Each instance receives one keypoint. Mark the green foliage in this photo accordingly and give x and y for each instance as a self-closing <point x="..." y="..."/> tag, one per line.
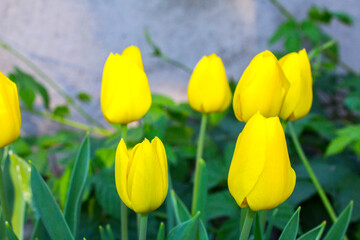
<point x="291" y="229"/>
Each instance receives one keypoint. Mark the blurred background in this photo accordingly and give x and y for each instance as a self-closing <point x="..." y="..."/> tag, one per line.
<point x="70" y="40"/>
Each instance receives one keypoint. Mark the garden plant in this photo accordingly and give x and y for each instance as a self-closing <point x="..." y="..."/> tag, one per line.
<point x="273" y="154"/>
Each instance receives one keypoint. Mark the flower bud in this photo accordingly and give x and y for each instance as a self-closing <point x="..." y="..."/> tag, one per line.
<point x="141" y="175"/>
<point x="125" y="91"/>
<point x="10" y="117"/>
<point x="260" y="173"/>
<point x="298" y="100"/>
<point x="208" y="89"/>
<point x="262" y="87"/>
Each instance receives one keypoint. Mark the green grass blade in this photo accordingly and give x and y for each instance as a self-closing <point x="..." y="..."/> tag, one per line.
<point x="314" y="234"/>
<point x="77" y="184"/>
<point x="338" y="229"/>
<point x="292" y="227"/>
<point x="103" y="234"/>
<point x="39" y="231"/>
<point x="10" y="232"/>
<point x="161" y="232"/>
<point x="48" y="209"/>
<point x="110" y="232"/>
<point x="20" y="176"/>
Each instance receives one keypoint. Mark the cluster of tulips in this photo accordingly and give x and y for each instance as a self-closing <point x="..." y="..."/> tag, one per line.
<point x="260" y="175"/>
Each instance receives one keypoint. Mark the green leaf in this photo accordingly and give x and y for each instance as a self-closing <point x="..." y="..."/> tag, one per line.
<point x="270" y="224"/>
<point x="338" y="229"/>
<point x="20" y="176"/>
<point x="182" y="214"/>
<point x="106" y="193"/>
<point x="106" y="234"/>
<point x="346" y="136"/>
<point x="344" y="18"/>
<point x="77" y="184"/>
<point x="283" y="30"/>
<point x="314" y="234"/>
<point x="201" y="192"/>
<point x="39" y="231"/>
<point x="62" y="111"/>
<point x="293" y="42"/>
<point x="161" y="232"/>
<point x="84" y="97"/>
<point x="28" y="88"/>
<point x="321" y="15"/>
<point x="221" y="204"/>
<point x="258" y="228"/>
<point x="291" y="228"/>
<point x="312" y="32"/>
<point x="186" y="230"/>
<point x="10" y="232"/>
<point x="48" y="209"/>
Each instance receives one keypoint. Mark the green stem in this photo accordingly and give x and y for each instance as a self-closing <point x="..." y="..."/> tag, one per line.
<point x="49" y="81"/>
<point x="3" y="199"/>
<point x="143" y="226"/>
<point x="124" y="214"/>
<point x="311" y="173"/>
<point x="199" y="152"/>
<point x="245" y="231"/>
<point x="71" y="123"/>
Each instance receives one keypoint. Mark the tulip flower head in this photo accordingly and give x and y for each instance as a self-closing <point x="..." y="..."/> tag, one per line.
<point x="260" y="174"/>
<point x="262" y="87"/>
<point x="208" y="89"/>
<point x="125" y="91"/>
<point x="10" y="117"/>
<point x="298" y="100"/>
<point x="141" y="175"/>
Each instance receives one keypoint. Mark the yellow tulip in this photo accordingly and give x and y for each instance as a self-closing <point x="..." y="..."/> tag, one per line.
<point x="141" y="175"/>
<point x="260" y="173"/>
<point x="208" y="89"/>
<point x="298" y="100"/>
<point x="262" y="87"/>
<point x="10" y="117"/>
<point x="125" y="91"/>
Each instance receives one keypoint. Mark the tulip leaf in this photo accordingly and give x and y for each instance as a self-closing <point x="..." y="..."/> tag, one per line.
<point x="10" y="232"/>
<point x="270" y="224"/>
<point x="182" y="214"/>
<point x="338" y="229"/>
<point x="314" y="234"/>
<point x="48" y="209"/>
<point x="161" y="232"/>
<point x="20" y="176"/>
<point x="77" y="184"/>
<point x="186" y="230"/>
<point x="106" y="234"/>
<point x="39" y="231"/>
<point x="201" y="192"/>
<point x="292" y="227"/>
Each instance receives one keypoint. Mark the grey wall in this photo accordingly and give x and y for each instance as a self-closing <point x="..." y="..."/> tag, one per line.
<point x="70" y="40"/>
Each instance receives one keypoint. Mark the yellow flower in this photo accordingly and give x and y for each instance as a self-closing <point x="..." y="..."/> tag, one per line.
<point x="262" y="87"/>
<point x="260" y="174"/>
<point x="208" y="89"/>
<point x="125" y="91"/>
<point x="141" y="175"/>
<point x="10" y="118"/>
<point x="298" y="100"/>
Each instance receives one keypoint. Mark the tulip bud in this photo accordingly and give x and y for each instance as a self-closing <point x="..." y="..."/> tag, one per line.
<point x="298" y="100"/>
<point x="262" y="87"/>
<point x="10" y="118"/>
<point x="141" y="175"/>
<point x="260" y="173"/>
<point x="208" y="89"/>
<point x="125" y="91"/>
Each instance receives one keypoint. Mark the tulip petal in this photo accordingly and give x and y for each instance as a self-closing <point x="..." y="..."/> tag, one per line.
<point x="159" y="149"/>
<point x="145" y="180"/>
<point x="208" y="89"/>
<point x="125" y="91"/>
<point x="248" y="160"/>
<point x="9" y="111"/>
<point x="277" y="180"/>
<point x="262" y="87"/>
<point x="122" y="163"/>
